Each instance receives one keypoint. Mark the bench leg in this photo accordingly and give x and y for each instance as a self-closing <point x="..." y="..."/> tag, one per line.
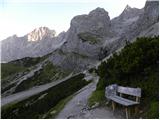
<point x="136" y="110"/>
<point x="113" y="105"/>
<point x="127" y="112"/>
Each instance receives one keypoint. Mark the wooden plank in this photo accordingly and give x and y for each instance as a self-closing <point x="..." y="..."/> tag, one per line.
<point x="111" y="90"/>
<point x="129" y="91"/>
<point x="123" y="101"/>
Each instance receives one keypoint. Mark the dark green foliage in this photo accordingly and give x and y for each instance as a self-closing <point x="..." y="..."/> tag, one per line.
<point x="35" y="108"/>
<point x="153" y="112"/>
<point x="101" y="84"/>
<point x="92" y="70"/>
<point x="135" y="66"/>
<point x="102" y="70"/>
<point x="89" y="37"/>
<point x="57" y="108"/>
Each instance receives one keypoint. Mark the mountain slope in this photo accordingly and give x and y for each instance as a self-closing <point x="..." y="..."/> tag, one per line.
<point x="91" y="35"/>
<point x="94" y="36"/>
<point x="133" y="23"/>
<point x="135" y="66"/>
<point x="39" y="42"/>
<point x="90" y="38"/>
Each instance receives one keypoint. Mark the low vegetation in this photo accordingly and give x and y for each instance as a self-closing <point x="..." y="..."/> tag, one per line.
<point x="135" y="66"/>
<point x="96" y="97"/>
<point x="8" y="69"/>
<point x="38" y="105"/>
<point x="88" y="37"/>
<point x="20" y="65"/>
<point x="55" y="110"/>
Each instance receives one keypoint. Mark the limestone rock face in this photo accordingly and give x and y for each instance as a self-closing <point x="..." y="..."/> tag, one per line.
<point x="149" y="18"/>
<point x="83" y="40"/>
<point x="96" y="22"/>
<point x="122" y="23"/>
<point x="86" y="33"/>
<point x="133" y="23"/>
<point x="90" y="38"/>
<point x="40" y="33"/>
<point x="39" y="42"/>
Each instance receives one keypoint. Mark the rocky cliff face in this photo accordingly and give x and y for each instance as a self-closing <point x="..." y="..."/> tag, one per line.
<point x="40" y="33"/>
<point x="39" y="42"/>
<point x="133" y="23"/>
<point x="86" y="33"/>
<point x="84" y="40"/>
<point x="94" y="36"/>
<point x="122" y="23"/>
<point x="147" y="20"/>
<point x="90" y="38"/>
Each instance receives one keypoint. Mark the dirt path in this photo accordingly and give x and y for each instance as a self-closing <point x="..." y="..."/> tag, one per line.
<point x="77" y="106"/>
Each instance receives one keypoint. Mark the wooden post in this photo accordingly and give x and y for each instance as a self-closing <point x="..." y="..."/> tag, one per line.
<point x="113" y="105"/>
<point x="127" y="112"/>
<point x="136" y="107"/>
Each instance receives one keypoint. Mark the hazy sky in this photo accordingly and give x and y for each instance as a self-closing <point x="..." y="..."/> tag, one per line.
<point x="22" y="16"/>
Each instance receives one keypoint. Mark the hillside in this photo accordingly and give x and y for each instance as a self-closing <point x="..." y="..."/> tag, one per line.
<point x="135" y="66"/>
<point x="44" y="75"/>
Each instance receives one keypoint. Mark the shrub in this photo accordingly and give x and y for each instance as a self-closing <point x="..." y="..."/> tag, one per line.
<point x="135" y="66"/>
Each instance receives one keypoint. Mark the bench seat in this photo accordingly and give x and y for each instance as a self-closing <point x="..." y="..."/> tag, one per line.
<point x="123" y="101"/>
<point x="114" y="93"/>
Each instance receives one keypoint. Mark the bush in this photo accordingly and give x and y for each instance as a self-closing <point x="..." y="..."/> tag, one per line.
<point x="135" y="66"/>
<point x="153" y="112"/>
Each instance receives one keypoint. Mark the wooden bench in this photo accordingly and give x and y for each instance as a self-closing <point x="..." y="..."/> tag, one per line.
<point x="115" y="94"/>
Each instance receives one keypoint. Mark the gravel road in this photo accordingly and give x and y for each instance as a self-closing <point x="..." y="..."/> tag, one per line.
<point x="76" y="108"/>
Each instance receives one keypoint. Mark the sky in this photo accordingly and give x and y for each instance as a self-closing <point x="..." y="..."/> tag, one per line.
<point x="22" y="16"/>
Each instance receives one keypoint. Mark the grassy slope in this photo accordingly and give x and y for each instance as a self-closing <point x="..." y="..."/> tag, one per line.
<point x="13" y="67"/>
<point x="47" y="74"/>
<point x="135" y="66"/>
<point x="8" y="69"/>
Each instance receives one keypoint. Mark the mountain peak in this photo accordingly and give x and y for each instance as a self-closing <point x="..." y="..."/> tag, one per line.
<point x="127" y="7"/>
<point x="98" y="10"/>
<point x="39" y="33"/>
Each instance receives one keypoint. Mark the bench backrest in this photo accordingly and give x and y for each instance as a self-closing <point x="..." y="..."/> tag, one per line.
<point x="129" y="91"/>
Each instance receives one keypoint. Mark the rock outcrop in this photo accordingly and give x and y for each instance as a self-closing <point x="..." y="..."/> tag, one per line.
<point x="133" y="23"/>
<point x="40" y="33"/>
<point x="90" y="38"/>
<point x="86" y="33"/>
<point x="84" y="40"/>
<point x="147" y="20"/>
<point x="39" y="42"/>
